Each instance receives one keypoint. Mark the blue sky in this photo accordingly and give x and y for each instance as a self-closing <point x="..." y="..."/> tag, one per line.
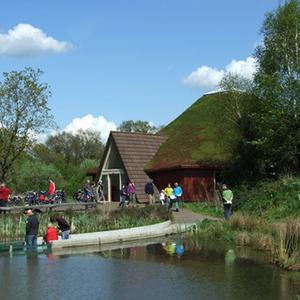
<point x="129" y="59"/>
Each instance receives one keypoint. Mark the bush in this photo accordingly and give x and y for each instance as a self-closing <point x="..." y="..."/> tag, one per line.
<point x="34" y="175"/>
<point x="272" y="199"/>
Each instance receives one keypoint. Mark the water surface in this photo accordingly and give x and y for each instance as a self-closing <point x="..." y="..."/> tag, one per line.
<point x="155" y="272"/>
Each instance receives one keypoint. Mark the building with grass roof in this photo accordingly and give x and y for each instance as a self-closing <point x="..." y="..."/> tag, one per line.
<point x="190" y="150"/>
<point x="198" y="145"/>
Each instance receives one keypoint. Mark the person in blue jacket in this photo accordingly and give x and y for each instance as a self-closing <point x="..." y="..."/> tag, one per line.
<point x="178" y="194"/>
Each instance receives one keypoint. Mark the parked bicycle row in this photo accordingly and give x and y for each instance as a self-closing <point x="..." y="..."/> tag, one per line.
<point x="91" y="192"/>
<point x="37" y="198"/>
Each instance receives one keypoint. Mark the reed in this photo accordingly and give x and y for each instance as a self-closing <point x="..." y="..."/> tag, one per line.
<point x="245" y="222"/>
<point x="12" y="227"/>
<point x="287" y="251"/>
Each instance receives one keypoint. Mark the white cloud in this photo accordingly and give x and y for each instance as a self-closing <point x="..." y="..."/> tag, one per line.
<point x="90" y="122"/>
<point x="204" y="76"/>
<point x="27" y="40"/>
<point x="245" y="68"/>
<point x="208" y="77"/>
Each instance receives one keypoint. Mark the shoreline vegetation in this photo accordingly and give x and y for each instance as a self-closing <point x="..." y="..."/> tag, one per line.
<point x="265" y="218"/>
<point x="12" y="227"/>
<point x="280" y="239"/>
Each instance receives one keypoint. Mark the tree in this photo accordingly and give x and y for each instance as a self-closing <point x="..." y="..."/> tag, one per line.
<point x="237" y="96"/>
<point x="72" y="155"/>
<point x="137" y="126"/>
<point x="238" y="104"/>
<point x="24" y="112"/>
<point x="277" y="85"/>
<point x="33" y="175"/>
<point x="67" y="149"/>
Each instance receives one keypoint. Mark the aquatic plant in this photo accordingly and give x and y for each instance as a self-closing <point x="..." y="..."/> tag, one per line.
<point x="12" y="227"/>
<point x="241" y="221"/>
<point x="287" y="251"/>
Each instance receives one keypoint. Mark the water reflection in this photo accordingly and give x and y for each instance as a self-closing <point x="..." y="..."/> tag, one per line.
<point x="172" y="248"/>
<point x="169" y="269"/>
<point x="230" y="257"/>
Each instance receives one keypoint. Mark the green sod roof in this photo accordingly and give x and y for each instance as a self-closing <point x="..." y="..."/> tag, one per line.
<point x="200" y="136"/>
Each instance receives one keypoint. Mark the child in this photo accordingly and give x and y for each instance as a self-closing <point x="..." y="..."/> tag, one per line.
<point x="162" y="197"/>
<point x="51" y="234"/>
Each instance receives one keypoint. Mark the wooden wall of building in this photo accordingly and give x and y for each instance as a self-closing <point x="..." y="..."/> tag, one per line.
<point x="197" y="184"/>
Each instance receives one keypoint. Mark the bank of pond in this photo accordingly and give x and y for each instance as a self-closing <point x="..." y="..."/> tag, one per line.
<point x="12" y="226"/>
<point x="281" y="239"/>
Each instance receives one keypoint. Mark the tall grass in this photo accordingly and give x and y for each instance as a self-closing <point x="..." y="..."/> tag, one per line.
<point x="287" y="251"/>
<point x="282" y="239"/>
<point x="12" y="227"/>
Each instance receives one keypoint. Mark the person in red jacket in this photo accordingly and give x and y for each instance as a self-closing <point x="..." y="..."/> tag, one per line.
<point x="51" y="234"/>
<point x="51" y="187"/>
<point x="4" y="195"/>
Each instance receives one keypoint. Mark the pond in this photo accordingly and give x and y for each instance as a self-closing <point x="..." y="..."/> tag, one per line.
<point x="170" y="269"/>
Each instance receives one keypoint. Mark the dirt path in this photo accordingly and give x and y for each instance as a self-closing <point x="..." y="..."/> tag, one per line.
<point x="186" y="216"/>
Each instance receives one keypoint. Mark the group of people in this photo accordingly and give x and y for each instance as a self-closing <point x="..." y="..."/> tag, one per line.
<point x="93" y="192"/>
<point x="128" y="194"/>
<point x="170" y="194"/>
<point x="32" y="229"/>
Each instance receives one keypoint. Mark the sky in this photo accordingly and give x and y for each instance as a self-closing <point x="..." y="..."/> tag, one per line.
<point x="114" y="60"/>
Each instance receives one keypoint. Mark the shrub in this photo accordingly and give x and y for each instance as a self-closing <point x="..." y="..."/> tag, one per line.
<point x="270" y="198"/>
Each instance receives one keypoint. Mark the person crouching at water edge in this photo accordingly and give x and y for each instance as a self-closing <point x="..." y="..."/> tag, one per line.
<point x="227" y="196"/>
<point x="63" y="226"/>
<point x="51" y="234"/>
<point x="32" y="229"/>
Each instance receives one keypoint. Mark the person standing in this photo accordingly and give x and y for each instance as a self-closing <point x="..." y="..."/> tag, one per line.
<point x="51" y="188"/>
<point x="170" y="195"/>
<point x="227" y="196"/>
<point x="4" y="195"/>
<point x="63" y="226"/>
<point x="123" y="196"/>
<point x="149" y="191"/>
<point x="100" y="190"/>
<point x="178" y="194"/>
<point x="32" y="230"/>
<point x="131" y="191"/>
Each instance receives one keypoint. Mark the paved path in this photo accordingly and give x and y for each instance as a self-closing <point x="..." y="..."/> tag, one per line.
<point x="186" y="216"/>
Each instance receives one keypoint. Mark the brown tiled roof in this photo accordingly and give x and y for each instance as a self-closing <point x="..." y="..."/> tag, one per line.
<point x="136" y="150"/>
